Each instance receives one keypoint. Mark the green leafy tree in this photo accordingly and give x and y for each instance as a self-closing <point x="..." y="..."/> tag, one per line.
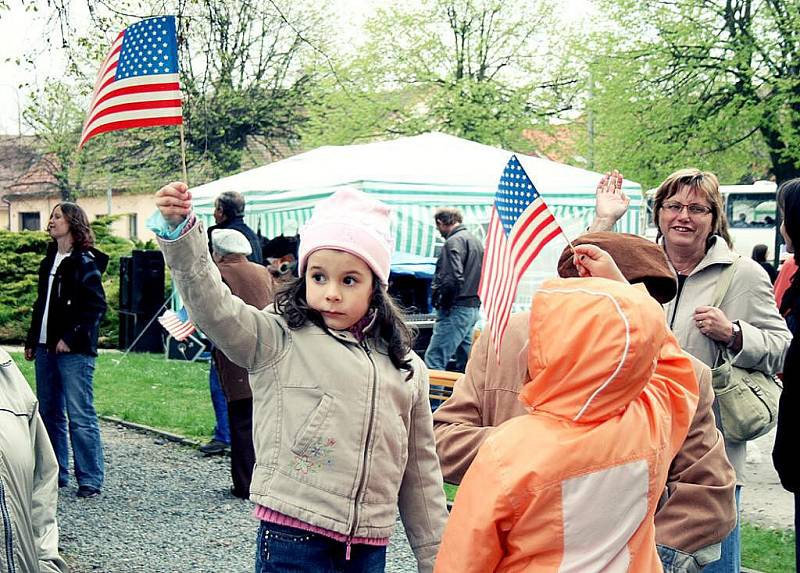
<point x="244" y="74"/>
<point x="480" y="69"/>
<point x="708" y="83"/>
<point x="131" y="160"/>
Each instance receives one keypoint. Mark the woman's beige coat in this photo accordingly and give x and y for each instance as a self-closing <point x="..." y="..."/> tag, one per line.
<point x="750" y="301"/>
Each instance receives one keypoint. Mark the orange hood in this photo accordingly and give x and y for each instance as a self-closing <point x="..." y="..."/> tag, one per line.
<point x="592" y="347"/>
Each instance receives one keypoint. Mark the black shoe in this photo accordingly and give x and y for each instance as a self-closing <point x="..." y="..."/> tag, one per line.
<point x="213" y="448"/>
<point x="239" y="494"/>
<point x="87" y="491"/>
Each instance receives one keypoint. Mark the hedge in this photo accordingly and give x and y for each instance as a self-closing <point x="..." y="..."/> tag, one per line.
<point x="20" y="255"/>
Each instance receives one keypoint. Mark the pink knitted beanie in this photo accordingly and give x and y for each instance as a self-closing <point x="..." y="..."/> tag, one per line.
<point x="350" y="221"/>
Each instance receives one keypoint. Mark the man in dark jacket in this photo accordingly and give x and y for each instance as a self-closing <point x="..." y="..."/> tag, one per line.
<point x="454" y="291"/>
<point x="251" y="283"/>
<point x="228" y="214"/>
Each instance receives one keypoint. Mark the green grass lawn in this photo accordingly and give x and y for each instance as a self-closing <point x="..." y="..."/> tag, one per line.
<point x="767" y="550"/>
<point x="173" y="395"/>
<point x="147" y="389"/>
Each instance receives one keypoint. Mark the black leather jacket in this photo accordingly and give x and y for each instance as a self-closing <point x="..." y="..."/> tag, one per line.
<point x="458" y="271"/>
<point x="77" y="301"/>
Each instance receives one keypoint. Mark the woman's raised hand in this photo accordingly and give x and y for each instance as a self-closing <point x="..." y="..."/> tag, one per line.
<point x="174" y="200"/>
<point x="611" y="202"/>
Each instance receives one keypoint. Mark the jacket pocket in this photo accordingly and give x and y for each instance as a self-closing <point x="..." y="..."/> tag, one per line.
<point x="311" y="430"/>
<point x="388" y="463"/>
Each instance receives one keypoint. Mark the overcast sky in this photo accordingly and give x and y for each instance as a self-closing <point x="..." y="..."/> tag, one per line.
<point x="22" y="31"/>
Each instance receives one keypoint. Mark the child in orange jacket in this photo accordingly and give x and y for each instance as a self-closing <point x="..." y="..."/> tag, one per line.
<point x="574" y="485"/>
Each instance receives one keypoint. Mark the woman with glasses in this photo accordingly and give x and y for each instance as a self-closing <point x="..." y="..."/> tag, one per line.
<point x="693" y="231"/>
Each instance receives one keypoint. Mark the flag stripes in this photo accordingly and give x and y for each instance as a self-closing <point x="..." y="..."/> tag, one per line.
<point x="177" y="329"/>
<point x="521" y="225"/>
<point x="138" y="82"/>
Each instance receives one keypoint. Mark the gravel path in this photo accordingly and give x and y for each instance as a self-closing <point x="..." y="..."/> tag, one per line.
<point x="165" y="508"/>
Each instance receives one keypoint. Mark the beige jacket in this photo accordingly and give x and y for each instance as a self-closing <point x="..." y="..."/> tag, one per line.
<point x="750" y="301"/>
<point x="28" y="480"/>
<point x="697" y="509"/>
<point x="341" y="437"/>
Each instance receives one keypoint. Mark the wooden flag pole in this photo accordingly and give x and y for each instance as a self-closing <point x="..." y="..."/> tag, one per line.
<point x="183" y="155"/>
<point x="571" y="246"/>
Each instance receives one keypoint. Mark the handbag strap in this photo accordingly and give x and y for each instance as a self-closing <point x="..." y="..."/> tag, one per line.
<point x="724" y="283"/>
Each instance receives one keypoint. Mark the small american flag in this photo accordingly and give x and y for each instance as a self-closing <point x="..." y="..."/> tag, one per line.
<point x="520" y="226"/>
<point x="177" y="327"/>
<point x="138" y="82"/>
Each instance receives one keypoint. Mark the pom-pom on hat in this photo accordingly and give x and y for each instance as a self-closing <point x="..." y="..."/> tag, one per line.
<point x="350" y="221"/>
<point x="230" y="242"/>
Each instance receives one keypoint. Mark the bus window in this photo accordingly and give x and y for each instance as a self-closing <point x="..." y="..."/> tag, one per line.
<point x="751" y="210"/>
<point x="649" y="221"/>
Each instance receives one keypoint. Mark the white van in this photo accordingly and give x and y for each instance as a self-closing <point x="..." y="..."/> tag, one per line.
<point x="751" y="216"/>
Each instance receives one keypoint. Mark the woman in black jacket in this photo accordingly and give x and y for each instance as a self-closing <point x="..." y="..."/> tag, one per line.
<point x="63" y="341"/>
<point x="785" y="452"/>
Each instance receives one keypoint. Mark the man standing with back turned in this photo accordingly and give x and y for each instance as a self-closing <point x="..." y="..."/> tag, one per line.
<point x="228" y="214"/>
<point x="454" y="291"/>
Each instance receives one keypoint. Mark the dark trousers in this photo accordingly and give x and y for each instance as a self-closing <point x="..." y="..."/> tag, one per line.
<point x="243" y="456"/>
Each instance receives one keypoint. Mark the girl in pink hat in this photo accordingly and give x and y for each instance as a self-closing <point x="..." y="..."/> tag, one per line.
<point x="342" y="427"/>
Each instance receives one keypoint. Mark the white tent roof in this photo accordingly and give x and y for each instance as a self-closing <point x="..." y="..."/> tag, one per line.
<point x="435" y="160"/>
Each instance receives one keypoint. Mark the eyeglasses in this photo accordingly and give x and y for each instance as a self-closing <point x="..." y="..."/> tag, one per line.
<point x="694" y="209"/>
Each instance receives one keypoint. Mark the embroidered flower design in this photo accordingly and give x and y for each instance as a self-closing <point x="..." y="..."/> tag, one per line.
<point x="318" y="454"/>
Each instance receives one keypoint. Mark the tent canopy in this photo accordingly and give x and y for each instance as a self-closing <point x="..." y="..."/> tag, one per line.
<point x="415" y="175"/>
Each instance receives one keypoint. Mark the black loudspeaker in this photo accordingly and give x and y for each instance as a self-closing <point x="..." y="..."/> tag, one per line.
<point x="190" y="349"/>
<point x="141" y="295"/>
<point x="125" y="275"/>
<point x="141" y="282"/>
<point x="131" y="325"/>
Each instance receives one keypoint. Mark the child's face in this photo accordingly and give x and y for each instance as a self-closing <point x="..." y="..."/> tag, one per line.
<point x="338" y="286"/>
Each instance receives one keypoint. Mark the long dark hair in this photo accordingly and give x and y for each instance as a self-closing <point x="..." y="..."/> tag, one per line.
<point x="79" y="228"/>
<point x="789" y="205"/>
<point x="291" y="303"/>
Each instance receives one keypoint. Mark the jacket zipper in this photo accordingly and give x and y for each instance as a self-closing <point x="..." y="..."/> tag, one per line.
<point x="7" y="527"/>
<point x="359" y="490"/>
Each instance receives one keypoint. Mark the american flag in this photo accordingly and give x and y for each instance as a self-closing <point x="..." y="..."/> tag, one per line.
<point x="138" y="82"/>
<point x="177" y="327"/>
<point x="520" y="226"/>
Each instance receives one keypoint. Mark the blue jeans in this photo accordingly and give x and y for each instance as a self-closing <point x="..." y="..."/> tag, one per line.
<point x="222" y="429"/>
<point x="64" y="389"/>
<point x="283" y="549"/>
<point x="452" y="336"/>
<point x="731" y="559"/>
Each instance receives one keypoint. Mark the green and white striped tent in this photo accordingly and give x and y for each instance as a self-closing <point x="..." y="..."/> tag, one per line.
<point x="415" y="175"/>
